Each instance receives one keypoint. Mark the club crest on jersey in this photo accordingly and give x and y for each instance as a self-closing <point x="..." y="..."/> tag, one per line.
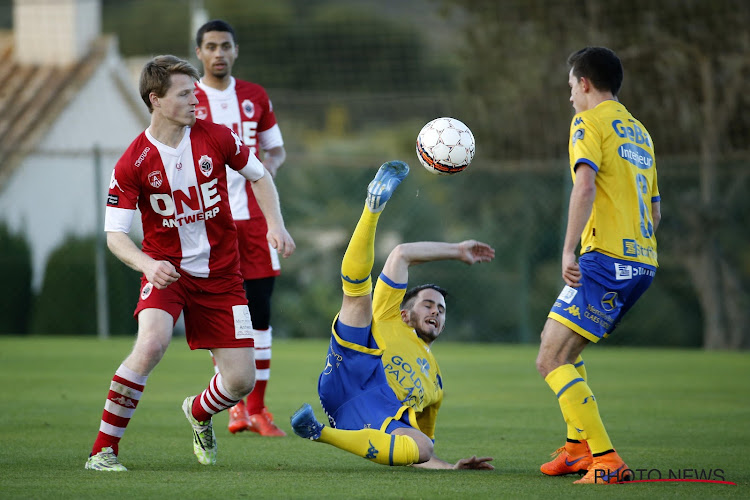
<point x="206" y="165"/>
<point x="201" y="112"/>
<point x="248" y="108"/>
<point x="155" y="179"/>
<point x="146" y="291"/>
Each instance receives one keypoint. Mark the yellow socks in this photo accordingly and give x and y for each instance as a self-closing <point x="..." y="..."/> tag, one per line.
<point x="579" y="407"/>
<point x="360" y="256"/>
<point x="581" y="368"/>
<point x="374" y="445"/>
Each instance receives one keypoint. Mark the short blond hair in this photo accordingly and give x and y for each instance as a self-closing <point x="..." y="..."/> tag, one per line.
<point x="156" y="76"/>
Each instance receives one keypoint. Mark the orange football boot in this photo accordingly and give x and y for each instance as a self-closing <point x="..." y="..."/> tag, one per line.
<point x="607" y="469"/>
<point x="262" y="423"/>
<point x="238" y="418"/>
<point x="573" y="458"/>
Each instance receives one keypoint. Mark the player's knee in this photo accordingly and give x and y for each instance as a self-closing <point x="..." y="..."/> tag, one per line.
<point x="239" y="385"/>
<point x="149" y="350"/>
<point x="426" y="448"/>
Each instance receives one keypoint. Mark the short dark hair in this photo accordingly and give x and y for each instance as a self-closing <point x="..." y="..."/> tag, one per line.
<point x="156" y="76"/>
<point x="411" y="295"/>
<point x="600" y="65"/>
<point x="214" y="25"/>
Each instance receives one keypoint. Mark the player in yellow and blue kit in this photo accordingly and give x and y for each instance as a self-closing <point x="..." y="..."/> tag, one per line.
<point x="381" y="386"/>
<point x="614" y="212"/>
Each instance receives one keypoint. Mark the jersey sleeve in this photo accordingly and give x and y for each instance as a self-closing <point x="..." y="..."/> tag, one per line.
<point x="271" y="138"/>
<point x="238" y="155"/>
<point x="386" y="300"/>
<point x="122" y="198"/>
<point x="268" y="118"/>
<point x="585" y="142"/>
<point x="655" y="195"/>
<point x="427" y="419"/>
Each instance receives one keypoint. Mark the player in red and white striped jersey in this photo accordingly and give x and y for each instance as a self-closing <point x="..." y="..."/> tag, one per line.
<point x="245" y="108"/>
<point x="175" y="174"/>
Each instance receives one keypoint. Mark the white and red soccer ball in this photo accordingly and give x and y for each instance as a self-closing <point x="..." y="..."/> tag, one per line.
<point x="445" y="146"/>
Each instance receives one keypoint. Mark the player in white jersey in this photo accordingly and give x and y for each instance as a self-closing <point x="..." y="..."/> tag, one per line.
<point x="174" y="174"/>
<point x="245" y="108"/>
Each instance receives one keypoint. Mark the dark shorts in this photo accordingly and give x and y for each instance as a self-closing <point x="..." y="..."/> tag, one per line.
<point x="609" y="288"/>
<point x="353" y="389"/>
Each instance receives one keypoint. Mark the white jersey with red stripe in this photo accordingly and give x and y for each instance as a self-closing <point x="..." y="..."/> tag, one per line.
<point x="245" y="108"/>
<point x="182" y="195"/>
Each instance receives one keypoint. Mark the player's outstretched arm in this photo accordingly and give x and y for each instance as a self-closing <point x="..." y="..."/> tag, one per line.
<point x="410" y="254"/>
<point x="268" y="199"/>
<point x="473" y="462"/>
<point x="159" y="273"/>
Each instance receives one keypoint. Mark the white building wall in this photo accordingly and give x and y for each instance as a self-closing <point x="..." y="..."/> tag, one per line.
<point x="53" y="192"/>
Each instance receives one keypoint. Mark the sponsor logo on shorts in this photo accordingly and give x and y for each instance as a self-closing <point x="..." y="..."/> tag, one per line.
<point x="243" y="324"/>
<point x="146" y="291"/>
<point x="567" y="294"/>
<point x="609" y="301"/>
<point x="623" y="271"/>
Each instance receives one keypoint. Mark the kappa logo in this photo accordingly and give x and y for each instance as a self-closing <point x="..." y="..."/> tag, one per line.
<point x="578" y="121"/>
<point x="372" y="452"/>
<point x="155" y="179"/>
<point x="574" y="311"/>
<point x="206" y="165"/>
<point x="248" y="108"/>
<point x="123" y="401"/>
<point x="201" y="112"/>
<point x="146" y="291"/>
<point x="114" y="184"/>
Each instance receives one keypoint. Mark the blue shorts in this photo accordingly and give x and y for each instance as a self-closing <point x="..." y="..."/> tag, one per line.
<point x="609" y="288"/>
<point x="353" y="389"/>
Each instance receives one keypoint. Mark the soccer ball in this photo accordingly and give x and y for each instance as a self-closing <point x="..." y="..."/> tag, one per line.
<point x="445" y="146"/>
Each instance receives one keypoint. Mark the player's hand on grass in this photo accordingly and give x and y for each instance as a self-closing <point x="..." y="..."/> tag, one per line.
<point x="473" y="251"/>
<point x="161" y="274"/>
<point x="474" y="462"/>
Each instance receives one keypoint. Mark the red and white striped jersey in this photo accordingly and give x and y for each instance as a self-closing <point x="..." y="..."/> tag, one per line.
<point x="245" y="108"/>
<point x="182" y="195"/>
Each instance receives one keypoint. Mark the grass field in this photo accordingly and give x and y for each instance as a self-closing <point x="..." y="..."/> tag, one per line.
<point x="664" y="409"/>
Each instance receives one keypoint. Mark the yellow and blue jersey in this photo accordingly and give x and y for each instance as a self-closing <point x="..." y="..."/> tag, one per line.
<point x="383" y="374"/>
<point x="619" y="148"/>
<point x="410" y="367"/>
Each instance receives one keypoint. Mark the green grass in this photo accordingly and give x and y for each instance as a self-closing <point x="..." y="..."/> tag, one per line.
<point x="664" y="409"/>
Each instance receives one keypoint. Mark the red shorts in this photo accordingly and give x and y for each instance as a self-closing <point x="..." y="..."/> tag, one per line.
<point x="216" y="313"/>
<point x="257" y="258"/>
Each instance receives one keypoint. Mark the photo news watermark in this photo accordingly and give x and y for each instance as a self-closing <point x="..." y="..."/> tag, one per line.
<point x="626" y="476"/>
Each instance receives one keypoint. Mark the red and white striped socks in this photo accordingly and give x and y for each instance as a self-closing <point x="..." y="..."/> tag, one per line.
<point x="212" y="400"/>
<point x="125" y="391"/>
<point x="256" y="399"/>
